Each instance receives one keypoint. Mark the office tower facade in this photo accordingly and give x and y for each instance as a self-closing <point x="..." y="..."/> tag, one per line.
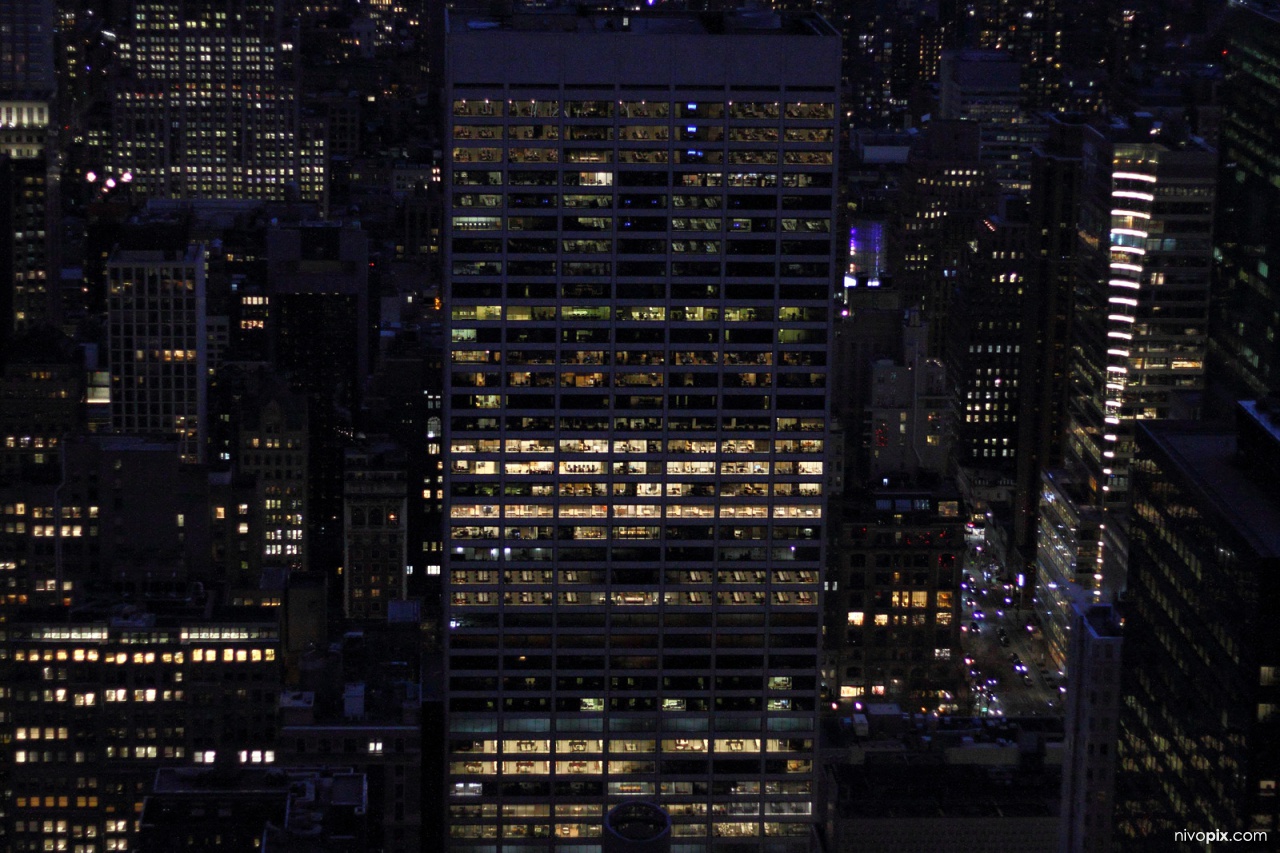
<point x="908" y="410"/>
<point x="893" y="615"/>
<point x="375" y="526"/>
<point x="125" y="515"/>
<point x="1139" y="335"/>
<point x="26" y="300"/>
<point x="26" y="36"/>
<point x="234" y="534"/>
<point x="273" y="451"/>
<point x="985" y="86"/>
<point x="1032" y="33"/>
<point x="985" y="350"/>
<point x="40" y="397"/>
<point x="639" y="268"/>
<point x="404" y="400"/>
<point x="1142" y="318"/>
<point x="27" y="179"/>
<point x="947" y="192"/>
<point x="156" y="345"/>
<point x="95" y="704"/>
<point x="318" y="296"/>
<point x="1201" y="667"/>
<point x="1048" y="311"/>
<point x="208" y="107"/>
<point x="1245" y="355"/>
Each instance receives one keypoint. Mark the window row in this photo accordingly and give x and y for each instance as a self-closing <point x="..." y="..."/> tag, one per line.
<point x="601" y="109"/>
<point x="641" y="467"/>
<point x="695" y="577"/>
<point x="650" y="132"/>
<point x="635" y="445"/>
<point x="637" y="178"/>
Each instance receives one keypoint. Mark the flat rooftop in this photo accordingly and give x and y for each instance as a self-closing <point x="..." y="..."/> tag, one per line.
<point x="571" y="47"/>
<point x="1207" y="455"/>
<point x="568" y="18"/>
<point x="1103" y="621"/>
<point x="187" y="255"/>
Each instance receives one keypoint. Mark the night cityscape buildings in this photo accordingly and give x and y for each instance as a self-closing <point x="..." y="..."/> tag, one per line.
<point x="1138" y="342"/>
<point x="753" y="426"/>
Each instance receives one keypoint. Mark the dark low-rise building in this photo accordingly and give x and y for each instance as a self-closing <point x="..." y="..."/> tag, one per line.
<point x="96" y="702"/>
<point x="912" y="783"/>
<point x="892" y="606"/>
<point x="255" y="810"/>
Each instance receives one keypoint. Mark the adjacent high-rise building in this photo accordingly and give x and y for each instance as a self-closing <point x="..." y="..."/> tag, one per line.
<point x="985" y="349"/>
<point x="1142" y="321"/>
<point x="1031" y="33"/>
<point x="273" y="450"/>
<point x="156" y="345"/>
<point x="40" y="397"/>
<point x="26" y="34"/>
<point x="1047" y="318"/>
<point x="947" y="192"/>
<point x="1093" y="705"/>
<point x="26" y="178"/>
<point x="985" y="86"/>
<point x="316" y="310"/>
<point x="1245" y="355"/>
<point x="893" y="613"/>
<point x="1198" y="734"/>
<point x="208" y="106"/>
<point x="375" y="525"/>
<point x="639" y="267"/>
<point x="907" y="415"/>
<point x="1139" y="334"/>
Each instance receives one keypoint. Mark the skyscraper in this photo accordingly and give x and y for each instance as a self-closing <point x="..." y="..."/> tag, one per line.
<point x="985" y="86"/>
<point x="1139" y="335"/>
<point x="1092" y="705"/>
<point x="156" y="345"/>
<point x="273" y="450"/>
<point x="26" y="61"/>
<point x="1031" y="32"/>
<point x="1198" y="734"/>
<point x="986" y="343"/>
<point x="638" y="268"/>
<point x="375" y="524"/>
<point x="26" y="92"/>
<point x="1142" y="322"/>
<point x="208" y="108"/>
<point x="318" y="297"/>
<point x="947" y="191"/>
<point x="1244" y="354"/>
<point x="1048" y="301"/>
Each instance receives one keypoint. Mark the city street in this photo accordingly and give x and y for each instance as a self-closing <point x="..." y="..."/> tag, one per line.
<point x="986" y="604"/>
